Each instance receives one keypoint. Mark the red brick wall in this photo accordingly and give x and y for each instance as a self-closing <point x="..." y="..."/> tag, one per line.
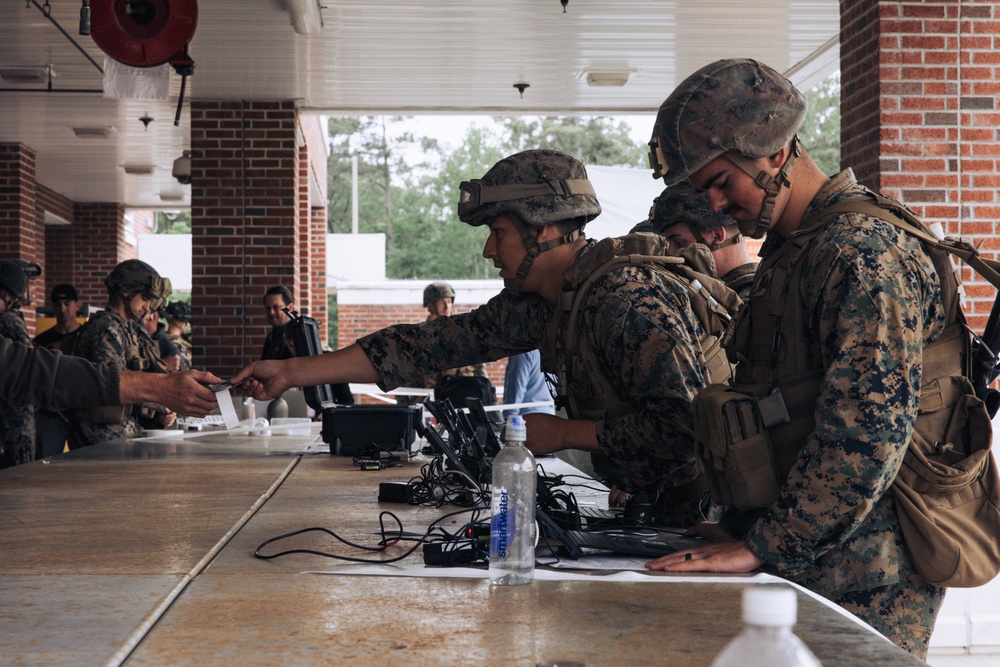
<point x="99" y="242"/>
<point x="315" y="262"/>
<point x="919" y="115"/>
<point x="60" y="245"/>
<point x="245" y="205"/>
<point x="21" y="231"/>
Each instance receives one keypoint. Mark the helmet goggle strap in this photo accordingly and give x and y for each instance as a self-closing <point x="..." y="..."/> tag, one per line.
<point x="534" y="249"/>
<point x="474" y="196"/>
<point x="656" y="160"/>
<point x="771" y="184"/>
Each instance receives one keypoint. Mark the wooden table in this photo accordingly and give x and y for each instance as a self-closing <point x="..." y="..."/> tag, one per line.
<point x="141" y="553"/>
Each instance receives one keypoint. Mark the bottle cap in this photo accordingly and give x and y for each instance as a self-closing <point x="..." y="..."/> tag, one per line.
<point x="516" y="429"/>
<point x="769" y="605"/>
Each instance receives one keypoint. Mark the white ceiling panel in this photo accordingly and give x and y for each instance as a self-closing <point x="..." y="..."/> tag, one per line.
<point x="380" y="56"/>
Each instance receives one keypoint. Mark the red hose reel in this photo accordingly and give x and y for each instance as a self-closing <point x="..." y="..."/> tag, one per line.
<point x="145" y="33"/>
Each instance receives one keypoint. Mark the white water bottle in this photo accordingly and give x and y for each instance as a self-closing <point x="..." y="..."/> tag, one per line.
<point x="512" y="523"/>
<point x="767" y="640"/>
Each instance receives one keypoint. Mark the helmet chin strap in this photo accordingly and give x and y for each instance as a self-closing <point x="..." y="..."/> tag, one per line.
<point x="772" y="185"/>
<point x="534" y="249"/>
<point x="127" y="306"/>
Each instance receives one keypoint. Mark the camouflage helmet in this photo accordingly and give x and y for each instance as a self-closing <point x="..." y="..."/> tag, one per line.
<point x="541" y="186"/>
<point x="133" y="276"/>
<point x="15" y="275"/>
<point x="681" y="203"/>
<point x="731" y="106"/>
<point x="436" y="291"/>
<point x="178" y="310"/>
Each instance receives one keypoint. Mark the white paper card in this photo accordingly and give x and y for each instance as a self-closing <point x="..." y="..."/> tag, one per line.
<point x="228" y="411"/>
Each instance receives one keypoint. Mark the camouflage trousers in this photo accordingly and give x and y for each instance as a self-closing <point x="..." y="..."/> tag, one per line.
<point x="904" y="612"/>
<point x="17" y="435"/>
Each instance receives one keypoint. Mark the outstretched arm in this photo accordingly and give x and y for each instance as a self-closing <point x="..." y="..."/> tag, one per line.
<point x="184" y="393"/>
<point x="267" y="379"/>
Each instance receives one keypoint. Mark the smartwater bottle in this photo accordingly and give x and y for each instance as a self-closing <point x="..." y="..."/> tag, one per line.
<point x="767" y="639"/>
<point x="512" y="525"/>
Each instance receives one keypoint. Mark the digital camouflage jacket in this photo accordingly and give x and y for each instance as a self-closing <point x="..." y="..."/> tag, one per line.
<point x="646" y="338"/>
<point x="872" y="301"/>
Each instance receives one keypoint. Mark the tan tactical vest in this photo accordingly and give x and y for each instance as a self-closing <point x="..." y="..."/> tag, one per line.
<point x="139" y="357"/>
<point x="582" y="383"/>
<point x="774" y="351"/>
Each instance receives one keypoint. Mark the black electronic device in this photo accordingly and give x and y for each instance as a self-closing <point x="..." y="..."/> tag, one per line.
<point x="304" y="334"/>
<point x="459" y="388"/>
<point x="451" y="457"/>
<point x="351" y="430"/>
<point x="486" y="429"/>
<point x="462" y="439"/>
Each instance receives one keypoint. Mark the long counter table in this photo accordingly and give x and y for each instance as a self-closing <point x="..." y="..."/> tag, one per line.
<point x="141" y="553"/>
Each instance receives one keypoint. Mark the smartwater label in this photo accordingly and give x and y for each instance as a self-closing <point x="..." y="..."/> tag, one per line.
<point x="501" y="523"/>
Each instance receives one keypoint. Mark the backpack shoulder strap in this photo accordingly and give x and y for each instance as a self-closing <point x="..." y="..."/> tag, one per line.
<point x="891" y="211"/>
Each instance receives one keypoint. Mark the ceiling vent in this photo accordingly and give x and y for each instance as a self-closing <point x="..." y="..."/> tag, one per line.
<point x="93" y="132"/>
<point x="26" y="75"/>
<point x="138" y="169"/>
<point x="607" y="77"/>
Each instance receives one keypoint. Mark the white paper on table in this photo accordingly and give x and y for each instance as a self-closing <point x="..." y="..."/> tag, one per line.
<point x="227" y="408"/>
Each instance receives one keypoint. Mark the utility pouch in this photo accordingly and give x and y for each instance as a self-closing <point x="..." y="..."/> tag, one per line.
<point x="947" y="490"/>
<point x="112" y="414"/>
<point x="735" y="447"/>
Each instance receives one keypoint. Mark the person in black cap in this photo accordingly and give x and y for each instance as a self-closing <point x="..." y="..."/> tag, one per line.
<point x="65" y="306"/>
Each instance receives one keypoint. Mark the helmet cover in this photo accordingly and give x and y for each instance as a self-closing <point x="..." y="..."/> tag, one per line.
<point x="735" y="105"/>
<point x="541" y="186"/>
<point x="681" y="203"/>
<point x="436" y="291"/>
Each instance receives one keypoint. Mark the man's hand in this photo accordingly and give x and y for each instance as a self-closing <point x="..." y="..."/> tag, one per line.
<point x="263" y="379"/>
<point x="548" y="434"/>
<point x="184" y="393"/>
<point x="617" y="497"/>
<point x="721" y="557"/>
<point x="167" y="419"/>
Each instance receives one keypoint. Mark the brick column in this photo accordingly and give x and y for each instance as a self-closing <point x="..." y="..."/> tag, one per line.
<point x="60" y="242"/>
<point x="303" y="296"/>
<point x="244" y="214"/>
<point x="316" y="262"/>
<point x="98" y="242"/>
<point x="919" y="115"/>
<point x="21" y="231"/>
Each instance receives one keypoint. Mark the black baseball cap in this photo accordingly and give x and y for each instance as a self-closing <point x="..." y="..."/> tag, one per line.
<point x="64" y="292"/>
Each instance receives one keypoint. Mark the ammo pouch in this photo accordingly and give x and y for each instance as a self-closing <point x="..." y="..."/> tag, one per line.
<point x="735" y="447"/>
<point x="947" y="490"/>
<point x="112" y="414"/>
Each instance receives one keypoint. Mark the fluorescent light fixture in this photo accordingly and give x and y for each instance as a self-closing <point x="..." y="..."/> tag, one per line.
<point x="171" y="196"/>
<point x="608" y="77"/>
<point x="26" y="75"/>
<point x="305" y="16"/>
<point x="93" y="132"/>
<point x="138" y="169"/>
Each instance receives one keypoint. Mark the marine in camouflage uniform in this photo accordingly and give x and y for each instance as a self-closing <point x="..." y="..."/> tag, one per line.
<point x="834" y="528"/>
<point x="683" y="216"/>
<point x="434" y="293"/>
<point x="178" y="316"/>
<point x="17" y="423"/>
<point x="112" y="338"/>
<point x="637" y="319"/>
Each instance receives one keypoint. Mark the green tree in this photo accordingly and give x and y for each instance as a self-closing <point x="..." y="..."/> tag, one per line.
<point x="820" y="131"/>
<point x="172" y="222"/>
<point x="593" y="140"/>
<point x="414" y="204"/>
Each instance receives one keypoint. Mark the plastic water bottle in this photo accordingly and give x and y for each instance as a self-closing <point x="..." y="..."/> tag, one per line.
<point x="512" y="526"/>
<point x="767" y="640"/>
